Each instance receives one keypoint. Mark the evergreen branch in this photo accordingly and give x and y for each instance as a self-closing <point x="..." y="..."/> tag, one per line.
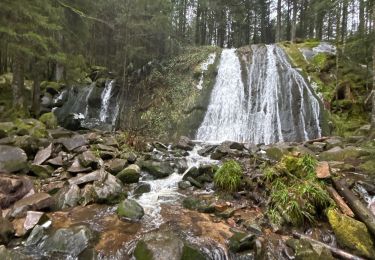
<point x="82" y="14"/>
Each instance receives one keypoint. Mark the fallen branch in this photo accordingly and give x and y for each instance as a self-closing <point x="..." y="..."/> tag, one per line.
<point x="335" y="251"/>
<point x="340" y="202"/>
<point x="356" y="205"/>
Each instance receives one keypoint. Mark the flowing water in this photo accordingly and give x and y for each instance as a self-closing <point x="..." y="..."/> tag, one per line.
<point x="106" y="97"/>
<point x="280" y="105"/>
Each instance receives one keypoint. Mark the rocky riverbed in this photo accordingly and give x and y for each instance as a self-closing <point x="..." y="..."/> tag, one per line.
<point x="101" y="195"/>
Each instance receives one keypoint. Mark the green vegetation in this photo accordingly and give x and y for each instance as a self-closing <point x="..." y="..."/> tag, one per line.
<point x="228" y="177"/>
<point x="296" y="195"/>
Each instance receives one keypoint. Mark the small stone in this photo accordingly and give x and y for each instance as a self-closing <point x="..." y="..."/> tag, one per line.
<point x="323" y="171"/>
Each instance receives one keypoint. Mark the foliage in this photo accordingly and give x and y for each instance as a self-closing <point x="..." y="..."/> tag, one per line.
<point x="296" y="195"/>
<point x="228" y="177"/>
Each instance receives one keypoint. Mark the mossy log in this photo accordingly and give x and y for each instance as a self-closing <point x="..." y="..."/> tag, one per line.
<point x="356" y="205"/>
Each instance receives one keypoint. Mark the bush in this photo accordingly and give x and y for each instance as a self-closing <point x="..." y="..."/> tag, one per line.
<point x="228" y="177"/>
<point x="296" y="195"/>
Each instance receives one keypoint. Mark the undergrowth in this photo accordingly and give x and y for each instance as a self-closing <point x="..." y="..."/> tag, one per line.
<point x="296" y="195"/>
<point x="228" y="177"/>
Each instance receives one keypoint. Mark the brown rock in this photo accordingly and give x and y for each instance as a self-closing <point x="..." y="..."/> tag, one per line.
<point x="323" y="170"/>
<point x="37" y="201"/>
<point x="13" y="188"/>
<point x="34" y="218"/>
<point x="43" y="155"/>
<point x="86" y="178"/>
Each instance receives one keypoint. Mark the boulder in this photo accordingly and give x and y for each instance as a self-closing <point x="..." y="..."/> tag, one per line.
<point x="69" y="241"/>
<point x="6" y="230"/>
<point x="192" y="253"/>
<point x="88" y="159"/>
<point x="351" y="234"/>
<point x="67" y="197"/>
<point x="207" y="150"/>
<point x="130" y="209"/>
<point x="185" y="144"/>
<point x="116" y="165"/>
<point x="333" y="142"/>
<point x="9" y="254"/>
<point x="106" y="148"/>
<point x="86" y="178"/>
<point x="73" y="142"/>
<point x="303" y="249"/>
<point x="183" y="185"/>
<point x="339" y="154"/>
<point x="88" y="195"/>
<point x="142" y="188"/>
<point x="240" y="242"/>
<point x="13" y="188"/>
<point x="109" y="189"/>
<point x="31" y="127"/>
<point x="323" y="170"/>
<point x="49" y="120"/>
<point x="12" y="159"/>
<point x="35" y="202"/>
<point x="42" y="171"/>
<point x="36" y="235"/>
<point x="131" y="157"/>
<point x="43" y="155"/>
<point x="193" y="172"/>
<point x="157" y="169"/>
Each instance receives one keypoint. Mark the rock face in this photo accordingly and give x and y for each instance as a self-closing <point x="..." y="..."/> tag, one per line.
<point x="12" y="159"/>
<point x="130" y="174"/>
<point x="352" y="234"/>
<point x="130" y="209"/>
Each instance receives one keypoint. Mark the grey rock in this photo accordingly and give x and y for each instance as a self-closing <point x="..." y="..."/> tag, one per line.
<point x="116" y="165"/>
<point x="12" y="159"/>
<point x="42" y="171"/>
<point x="130" y="209"/>
<point x="86" y="178"/>
<point x="88" y="159"/>
<point x="73" y="142"/>
<point x="157" y="169"/>
<point x="130" y="174"/>
<point x="36" y="235"/>
<point x="109" y="189"/>
<point x="185" y="144"/>
<point x="76" y="167"/>
<point x="43" y="155"/>
<point x="142" y="188"/>
<point x="35" y="202"/>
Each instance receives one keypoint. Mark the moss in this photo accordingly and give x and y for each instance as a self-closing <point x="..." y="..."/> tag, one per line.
<point x="348" y="153"/>
<point x="319" y="61"/>
<point x="141" y="252"/>
<point x="30" y="127"/>
<point x="49" y="119"/>
<point x="191" y="253"/>
<point x="228" y="176"/>
<point x="351" y="234"/>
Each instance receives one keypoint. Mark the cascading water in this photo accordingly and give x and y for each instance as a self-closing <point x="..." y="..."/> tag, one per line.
<point x="280" y="106"/>
<point x="106" y="97"/>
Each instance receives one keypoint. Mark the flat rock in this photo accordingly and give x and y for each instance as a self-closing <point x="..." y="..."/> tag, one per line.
<point x="74" y="142"/>
<point x="35" y="202"/>
<point x="86" y="178"/>
<point x="76" y="167"/>
<point x="34" y="218"/>
<point x="88" y="159"/>
<point x="12" y="159"/>
<point x="42" y="171"/>
<point x="57" y="161"/>
<point x="43" y="155"/>
<point x="116" y="165"/>
<point x="106" y="148"/>
<point x="323" y="170"/>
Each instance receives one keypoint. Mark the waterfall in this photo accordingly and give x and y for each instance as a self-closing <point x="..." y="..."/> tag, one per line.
<point x="280" y="105"/>
<point x="106" y="97"/>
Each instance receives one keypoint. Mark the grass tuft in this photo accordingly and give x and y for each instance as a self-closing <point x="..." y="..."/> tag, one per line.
<point x="228" y="177"/>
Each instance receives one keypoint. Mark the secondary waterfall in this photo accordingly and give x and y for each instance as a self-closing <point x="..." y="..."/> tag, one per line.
<point x="278" y="105"/>
<point x="106" y="97"/>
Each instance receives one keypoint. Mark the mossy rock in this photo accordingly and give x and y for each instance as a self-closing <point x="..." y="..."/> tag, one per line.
<point x="305" y="250"/>
<point x="141" y="252"/>
<point x="30" y="127"/>
<point x="130" y="174"/>
<point x="191" y="253"/>
<point x="368" y="167"/>
<point x="42" y="171"/>
<point x="339" y="154"/>
<point x="241" y="242"/>
<point x="130" y="209"/>
<point x="49" y="119"/>
<point x="351" y="234"/>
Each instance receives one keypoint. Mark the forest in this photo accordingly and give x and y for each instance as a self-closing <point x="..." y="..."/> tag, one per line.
<point x="187" y="129"/>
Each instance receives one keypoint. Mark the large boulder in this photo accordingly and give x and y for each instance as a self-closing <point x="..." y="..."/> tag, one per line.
<point x="130" y="209"/>
<point x="157" y="169"/>
<point x="109" y="189"/>
<point x="31" y="127"/>
<point x="12" y="159"/>
<point x="351" y="234"/>
<point x="130" y="174"/>
<point x="339" y="154"/>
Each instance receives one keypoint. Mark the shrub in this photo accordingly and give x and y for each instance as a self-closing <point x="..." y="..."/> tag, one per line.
<point x="228" y="176"/>
<point x="296" y="195"/>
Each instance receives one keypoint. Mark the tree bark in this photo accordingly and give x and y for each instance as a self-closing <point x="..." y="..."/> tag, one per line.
<point x="278" y="28"/>
<point x="294" y="22"/>
<point x="35" y="107"/>
<point x="18" y="82"/>
<point x="373" y="74"/>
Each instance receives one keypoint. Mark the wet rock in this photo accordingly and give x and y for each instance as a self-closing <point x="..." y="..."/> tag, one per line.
<point x="340" y="154"/>
<point x="34" y="218"/>
<point x="69" y="241"/>
<point x="9" y="254"/>
<point x="76" y="167"/>
<point x="194" y="182"/>
<point x="6" y="230"/>
<point x="43" y="155"/>
<point x="35" y="202"/>
<point x="88" y="159"/>
<point x="193" y="172"/>
<point x="351" y="233"/>
<point x="240" y="242"/>
<point x="13" y="188"/>
<point x="192" y="253"/>
<point x="131" y="157"/>
<point x="142" y="188"/>
<point x="12" y="159"/>
<point x="199" y="205"/>
<point x="252" y="148"/>
<point x="74" y="142"/>
<point x="305" y="250"/>
<point x="130" y="174"/>
<point x="42" y="171"/>
<point x="36" y="235"/>
<point x="67" y="197"/>
<point x="109" y="189"/>
<point x="235" y="146"/>
<point x="130" y="209"/>
<point x="207" y="150"/>
<point x="185" y="144"/>
<point x="86" y="178"/>
<point x="157" y="169"/>
<point x="88" y="195"/>
<point x="183" y="185"/>
<point x="208" y="169"/>
<point x="116" y="165"/>
<point x="181" y="165"/>
<point x="323" y="170"/>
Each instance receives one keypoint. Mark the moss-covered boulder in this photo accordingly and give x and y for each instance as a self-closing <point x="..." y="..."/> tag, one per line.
<point x="191" y="253"/>
<point x="342" y="154"/>
<point x="49" y="120"/>
<point x="130" y="209"/>
<point x="12" y="159"/>
<point x="241" y="242"/>
<point x="141" y="252"/>
<point x="351" y="234"/>
<point x="31" y="127"/>
<point x="303" y="249"/>
<point x="42" y="171"/>
<point x="130" y="174"/>
<point x="157" y="169"/>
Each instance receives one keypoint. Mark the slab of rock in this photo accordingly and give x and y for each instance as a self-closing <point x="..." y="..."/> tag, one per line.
<point x="67" y="197"/>
<point x="35" y="202"/>
<point x="88" y="195"/>
<point x="88" y="159"/>
<point x="116" y="165"/>
<point x="76" y="167"/>
<point x="130" y="174"/>
<point x="57" y="161"/>
<point x="106" y="148"/>
<point x="323" y="170"/>
<point x="13" y="188"/>
<point x="86" y="178"/>
<point x="36" y="235"/>
<point x="130" y="209"/>
<point x="74" y="142"/>
<point x="12" y="159"/>
<point x="157" y="169"/>
<point x="109" y="189"/>
<point x="42" y="171"/>
<point x="34" y="218"/>
<point x="43" y="155"/>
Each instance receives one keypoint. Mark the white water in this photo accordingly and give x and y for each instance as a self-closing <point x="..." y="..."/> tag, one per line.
<point x="106" y="97"/>
<point x="204" y="68"/>
<point x="278" y="105"/>
<point x="165" y="191"/>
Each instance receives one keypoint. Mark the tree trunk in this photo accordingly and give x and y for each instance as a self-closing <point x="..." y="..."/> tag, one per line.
<point x="35" y="107"/>
<point x="344" y="25"/>
<point x="294" y="22"/>
<point x="373" y="75"/>
<point x="361" y="26"/>
<point x="278" y="28"/>
<point x="18" y="82"/>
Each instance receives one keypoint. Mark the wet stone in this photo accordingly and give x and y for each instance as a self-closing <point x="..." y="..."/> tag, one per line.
<point x="130" y="209"/>
<point x="142" y="188"/>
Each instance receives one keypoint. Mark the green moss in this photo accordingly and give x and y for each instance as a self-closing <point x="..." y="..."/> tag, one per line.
<point x="319" y="61"/>
<point x="228" y="177"/>
<point x="141" y="252"/>
<point x="296" y="195"/>
<point x="30" y="127"/>
<point x="351" y="234"/>
<point x="191" y="253"/>
<point x="49" y="119"/>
